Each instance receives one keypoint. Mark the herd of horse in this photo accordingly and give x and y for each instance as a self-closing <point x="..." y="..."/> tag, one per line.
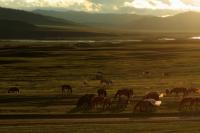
<point x="147" y="103"/>
<point x="126" y="96"/>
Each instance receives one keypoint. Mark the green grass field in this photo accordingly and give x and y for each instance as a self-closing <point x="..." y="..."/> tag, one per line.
<point x="39" y="68"/>
<point x="158" y="127"/>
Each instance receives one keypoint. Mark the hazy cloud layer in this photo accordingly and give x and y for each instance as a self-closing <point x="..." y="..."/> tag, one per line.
<point x="85" y="5"/>
<point x="165" y="4"/>
<point x="118" y="6"/>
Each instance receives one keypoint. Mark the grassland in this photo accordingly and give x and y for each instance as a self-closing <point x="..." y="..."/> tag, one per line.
<point x="39" y="68"/>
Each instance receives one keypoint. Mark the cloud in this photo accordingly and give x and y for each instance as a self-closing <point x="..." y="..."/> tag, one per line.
<point x="85" y="5"/>
<point x="165" y="4"/>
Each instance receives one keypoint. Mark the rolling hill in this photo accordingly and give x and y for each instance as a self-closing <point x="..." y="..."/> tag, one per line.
<point x="188" y="21"/>
<point x="13" y="25"/>
<point x="93" y="19"/>
<point x="32" y="18"/>
<point x="183" y="22"/>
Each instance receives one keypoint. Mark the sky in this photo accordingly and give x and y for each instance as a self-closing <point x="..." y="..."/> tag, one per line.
<point x="165" y="7"/>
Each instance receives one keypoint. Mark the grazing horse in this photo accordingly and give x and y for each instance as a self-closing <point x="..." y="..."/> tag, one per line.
<point x="146" y="74"/>
<point x="186" y="103"/>
<point x="165" y="74"/>
<point x="196" y="103"/>
<point x="102" y="92"/>
<point x="102" y="102"/>
<point x="192" y="90"/>
<point x="124" y="92"/>
<point x="97" y="101"/>
<point x="99" y="76"/>
<point x="13" y="90"/>
<point x="152" y="95"/>
<point x="122" y="102"/>
<point x="85" y="101"/>
<point x="177" y="91"/>
<point x="66" y="89"/>
<point x="106" y="81"/>
<point x="144" y="106"/>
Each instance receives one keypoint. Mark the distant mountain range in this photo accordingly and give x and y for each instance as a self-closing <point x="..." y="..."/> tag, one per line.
<point x="93" y="19"/>
<point x="32" y="18"/>
<point x="18" y="24"/>
<point x="188" y="21"/>
<point x="54" y="24"/>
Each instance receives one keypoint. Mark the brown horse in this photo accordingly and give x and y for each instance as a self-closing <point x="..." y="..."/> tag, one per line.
<point x="196" y="103"/>
<point x="124" y="92"/>
<point x="101" y="102"/>
<point x="102" y="92"/>
<point x="85" y="102"/>
<point x="152" y="95"/>
<point x="186" y="104"/>
<point x="99" y="76"/>
<point x="66" y="89"/>
<point x="97" y="101"/>
<point x="122" y="102"/>
<point x="106" y="81"/>
<point x="13" y="90"/>
<point x="165" y="74"/>
<point x="192" y="90"/>
<point x="180" y="90"/>
<point x="144" y="106"/>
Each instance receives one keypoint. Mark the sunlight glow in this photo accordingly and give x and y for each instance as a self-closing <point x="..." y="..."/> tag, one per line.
<point x="159" y="4"/>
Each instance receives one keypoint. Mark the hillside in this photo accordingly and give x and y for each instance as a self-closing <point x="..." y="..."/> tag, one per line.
<point x="93" y="19"/>
<point x="32" y="18"/>
<point x="180" y="22"/>
<point x="13" y="25"/>
<point x="188" y="21"/>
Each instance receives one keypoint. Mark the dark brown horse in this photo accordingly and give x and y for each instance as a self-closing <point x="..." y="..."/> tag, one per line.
<point x="122" y="102"/>
<point x="192" y="90"/>
<point x="85" y="102"/>
<point x="66" y="89"/>
<point x="180" y="90"/>
<point x="186" y="104"/>
<point x="195" y="103"/>
<point x="165" y="74"/>
<point x="106" y="81"/>
<point x="97" y="101"/>
<point x="152" y="95"/>
<point x="124" y="92"/>
<point x="13" y="90"/>
<point x="100" y="102"/>
<point x="144" y="106"/>
<point x="102" y="92"/>
<point x="99" y="76"/>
